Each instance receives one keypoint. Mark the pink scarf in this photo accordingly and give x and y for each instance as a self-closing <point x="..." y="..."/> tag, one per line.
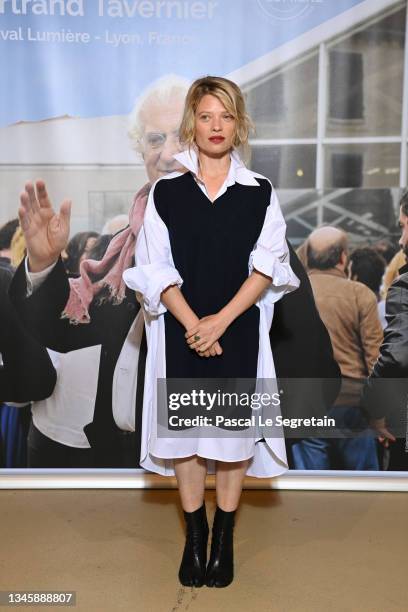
<point x="117" y="258"/>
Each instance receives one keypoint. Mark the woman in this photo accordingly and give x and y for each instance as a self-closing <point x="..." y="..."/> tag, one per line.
<point x="204" y="316"/>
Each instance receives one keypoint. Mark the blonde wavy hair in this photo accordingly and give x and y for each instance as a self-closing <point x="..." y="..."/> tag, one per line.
<point x="230" y="95"/>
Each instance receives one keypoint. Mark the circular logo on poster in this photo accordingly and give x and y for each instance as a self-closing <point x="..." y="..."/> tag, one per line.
<point x="285" y="9"/>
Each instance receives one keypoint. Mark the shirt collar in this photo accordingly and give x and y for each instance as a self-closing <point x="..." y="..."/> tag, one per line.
<point x="238" y="173"/>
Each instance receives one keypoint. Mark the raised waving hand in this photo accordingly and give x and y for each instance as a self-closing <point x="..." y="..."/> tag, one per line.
<point x="46" y="232"/>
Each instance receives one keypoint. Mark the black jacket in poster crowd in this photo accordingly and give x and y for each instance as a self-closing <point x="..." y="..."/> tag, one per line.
<point x="386" y="390"/>
<point x="26" y="372"/>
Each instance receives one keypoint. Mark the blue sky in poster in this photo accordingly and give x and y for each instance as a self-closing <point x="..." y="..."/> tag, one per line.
<point x="99" y="77"/>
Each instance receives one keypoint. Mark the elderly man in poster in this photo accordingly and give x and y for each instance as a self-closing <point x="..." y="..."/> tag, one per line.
<point x="113" y="325"/>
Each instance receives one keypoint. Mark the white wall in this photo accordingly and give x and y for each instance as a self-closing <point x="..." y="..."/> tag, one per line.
<point x="73" y="182"/>
<point x="74" y="157"/>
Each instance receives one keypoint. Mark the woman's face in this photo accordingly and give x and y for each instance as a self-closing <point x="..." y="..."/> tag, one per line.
<point x="214" y="127"/>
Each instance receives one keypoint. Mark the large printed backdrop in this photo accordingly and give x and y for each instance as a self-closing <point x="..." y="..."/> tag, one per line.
<point x="73" y="70"/>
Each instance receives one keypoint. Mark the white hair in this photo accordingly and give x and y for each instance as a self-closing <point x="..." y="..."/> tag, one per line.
<point x="161" y="92"/>
<point x="115" y="224"/>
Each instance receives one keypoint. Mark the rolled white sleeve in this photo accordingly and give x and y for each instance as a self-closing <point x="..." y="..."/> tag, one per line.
<point x="271" y="254"/>
<point x="154" y="269"/>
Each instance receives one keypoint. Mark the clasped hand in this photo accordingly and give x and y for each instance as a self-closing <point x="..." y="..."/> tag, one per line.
<point x="203" y="337"/>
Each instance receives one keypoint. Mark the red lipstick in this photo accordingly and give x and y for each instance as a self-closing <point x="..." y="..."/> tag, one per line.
<point x="217" y="139"/>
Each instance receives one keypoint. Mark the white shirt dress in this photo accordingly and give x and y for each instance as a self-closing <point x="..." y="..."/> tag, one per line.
<point x="242" y="197"/>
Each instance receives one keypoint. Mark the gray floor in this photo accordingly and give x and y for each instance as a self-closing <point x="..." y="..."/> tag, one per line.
<point x="295" y="551"/>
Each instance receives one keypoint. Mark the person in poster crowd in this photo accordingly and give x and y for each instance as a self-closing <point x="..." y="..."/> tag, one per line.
<point x="105" y="328"/>
<point x="386" y="390"/>
<point x="350" y="313"/>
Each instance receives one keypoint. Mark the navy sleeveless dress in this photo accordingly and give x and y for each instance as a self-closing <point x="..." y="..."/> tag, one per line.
<point x="211" y="243"/>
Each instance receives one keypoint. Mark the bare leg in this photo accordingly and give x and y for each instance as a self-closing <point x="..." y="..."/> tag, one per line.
<point x="228" y="483"/>
<point x="190" y="474"/>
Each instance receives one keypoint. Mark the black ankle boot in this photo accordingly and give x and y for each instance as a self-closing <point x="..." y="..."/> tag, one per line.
<point x="220" y="569"/>
<point x="192" y="568"/>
